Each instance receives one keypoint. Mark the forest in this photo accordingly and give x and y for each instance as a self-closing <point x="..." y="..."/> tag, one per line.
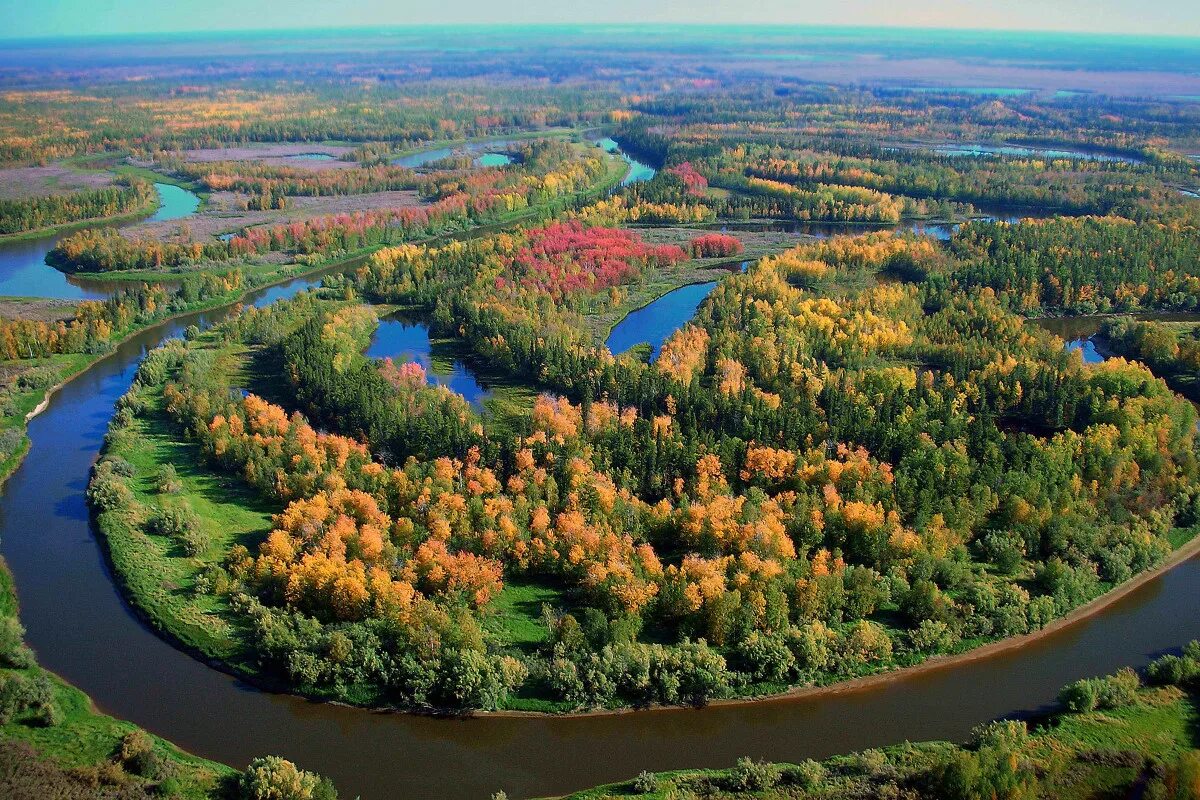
<point x="902" y="372"/>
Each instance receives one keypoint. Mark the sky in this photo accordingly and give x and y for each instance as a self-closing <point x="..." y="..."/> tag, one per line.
<point x="55" y="18"/>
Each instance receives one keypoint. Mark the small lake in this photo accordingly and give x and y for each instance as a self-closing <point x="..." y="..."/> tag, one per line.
<point x="638" y="171"/>
<point x="25" y="273"/>
<point x="312" y="157"/>
<point x="494" y="160"/>
<point x="174" y="202"/>
<point x="402" y="339"/>
<point x="654" y="323"/>
<point x="423" y="157"/>
<point x="1088" y="348"/>
<point x="1081" y="333"/>
<point x="984" y="150"/>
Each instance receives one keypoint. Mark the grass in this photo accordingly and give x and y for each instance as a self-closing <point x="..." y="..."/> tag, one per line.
<point x="516" y="613"/>
<point x="1164" y="721"/>
<point x="160" y="578"/>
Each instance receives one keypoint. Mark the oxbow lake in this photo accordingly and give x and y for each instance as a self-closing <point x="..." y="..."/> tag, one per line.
<point x="25" y="273"/>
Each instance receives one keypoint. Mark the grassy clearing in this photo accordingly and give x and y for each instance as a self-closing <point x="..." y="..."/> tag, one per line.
<point x="161" y="579"/>
<point x="516" y="614"/>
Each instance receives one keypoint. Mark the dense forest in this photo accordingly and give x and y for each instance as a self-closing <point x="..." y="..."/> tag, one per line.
<point x="128" y="196"/>
<point x="824" y="475"/>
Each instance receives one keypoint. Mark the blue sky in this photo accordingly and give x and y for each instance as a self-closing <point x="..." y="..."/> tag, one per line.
<point x="82" y="17"/>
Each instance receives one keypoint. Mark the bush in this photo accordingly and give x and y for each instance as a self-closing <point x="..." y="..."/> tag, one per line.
<point x="765" y="656"/>
<point x="19" y="694"/>
<point x="181" y="524"/>
<point x="1114" y="691"/>
<point x="49" y="715"/>
<point x="808" y="774"/>
<point x="1008" y="734"/>
<point x="13" y="651"/>
<point x="1119" y="689"/>
<point x="932" y="636"/>
<point x="1080" y="696"/>
<point x="107" y="491"/>
<point x="274" y="778"/>
<point x="136" y="755"/>
<point x="753" y="776"/>
<point x="645" y="783"/>
<point x="10" y="441"/>
<point x="168" y="480"/>
<point x="1173" y="670"/>
<point x="469" y="679"/>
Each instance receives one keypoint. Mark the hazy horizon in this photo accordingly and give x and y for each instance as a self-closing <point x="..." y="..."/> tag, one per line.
<point x="80" y="18"/>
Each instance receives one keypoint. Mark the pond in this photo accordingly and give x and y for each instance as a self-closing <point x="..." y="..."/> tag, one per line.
<point x="655" y="322"/>
<point x="423" y="157"/>
<point x="174" y="202"/>
<point x="638" y="170"/>
<point x="1082" y="333"/>
<point x="25" y="273"/>
<point x="403" y="339"/>
<point x="313" y="157"/>
<point x="494" y="160"/>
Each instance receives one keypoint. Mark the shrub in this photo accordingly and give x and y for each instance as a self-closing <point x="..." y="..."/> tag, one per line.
<point x="181" y="524"/>
<point x="865" y="643"/>
<point x="1113" y="691"/>
<point x="932" y="636"/>
<point x="18" y="694"/>
<point x="1006" y="551"/>
<point x="808" y="774"/>
<point x="49" y="715"/>
<point x="1009" y="734"/>
<point x="10" y="441"/>
<point x="469" y="679"/>
<point x="753" y="776"/>
<point x="13" y="651"/>
<point x="1119" y="689"/>
<point x="275" y="778"/>
<point x="765" y="656"/>
<point x="645" y="783"/>
<point x="1080" y="696"/>
<point x="168" y="480"/>
<point x="1173" y="670"/>
<point x="107" y="491"/>
<point x="136" y="754"/>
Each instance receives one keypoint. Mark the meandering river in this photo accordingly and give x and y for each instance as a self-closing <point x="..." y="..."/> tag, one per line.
<point x="81" y="628"/>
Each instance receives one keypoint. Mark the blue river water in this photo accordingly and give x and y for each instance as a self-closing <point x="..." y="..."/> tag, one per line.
<point x="655" y="322"/>
<point x="25" y="273"/>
